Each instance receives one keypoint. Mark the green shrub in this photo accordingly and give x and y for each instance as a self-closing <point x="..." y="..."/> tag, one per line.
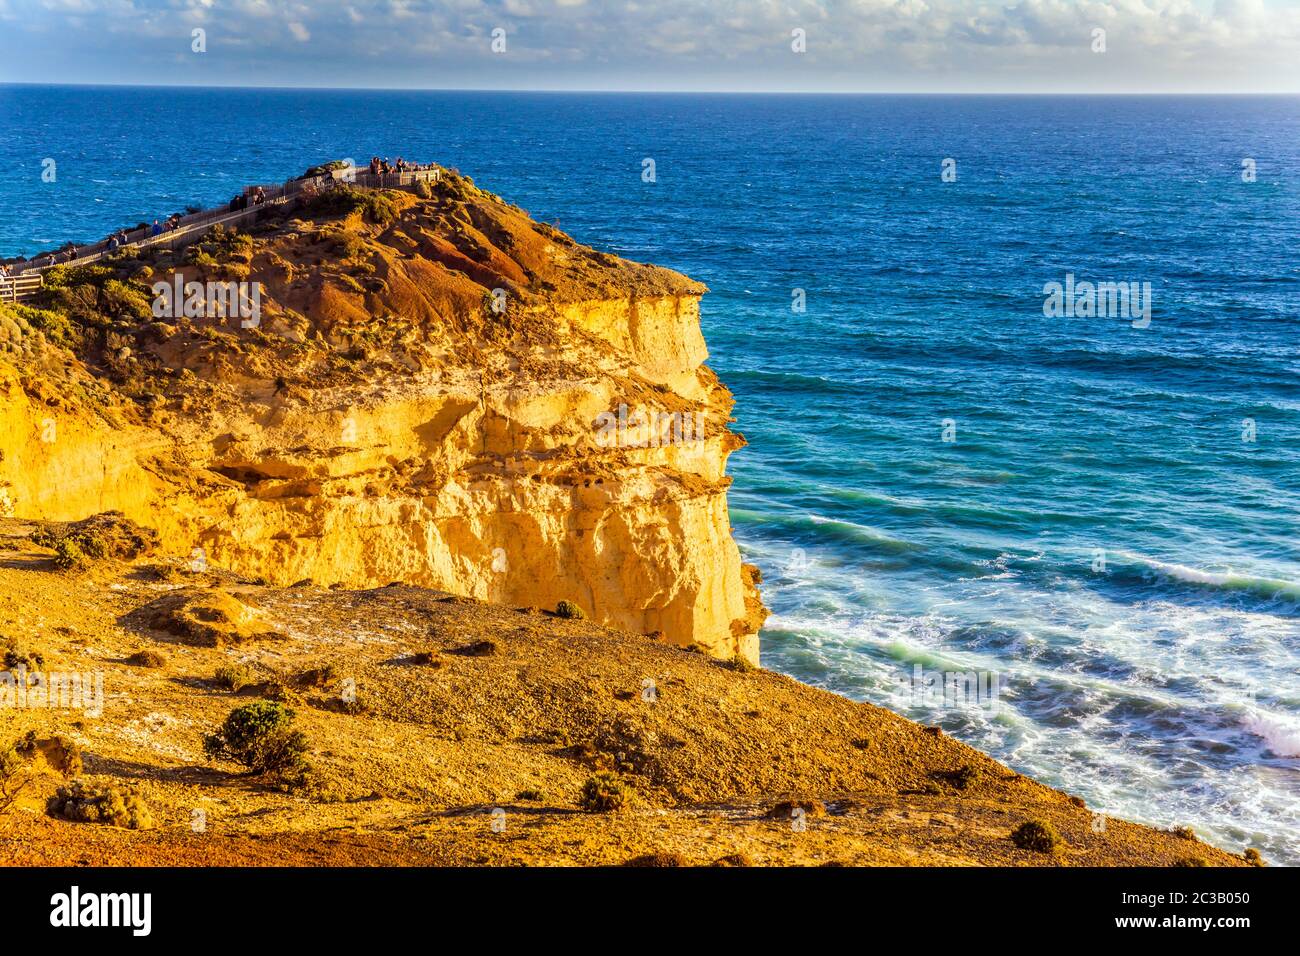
<point x="66" y="277"/>
<point x="91" y="545"/>
<point x="567" y="609"/>
<point x="1191" y="861"/>
<point x="106" y="535"/>
<point x="604" y="792"/>
<point x="55" y="325"/>
<point x="379" y="208"/>
<point x="85" y="804"/>
<point x="376" y="207"/>
<point x="123" y="300"/>
<point x="223" y="245"/>
<point x="532" y="795"/>
<point x="323" y="168"/>
<point x="347" y="245"/>
<point x="1038" y="836"/>
<point x="260" y="736"/>
<point x="739" y="663"/>
<point x="68" y="555"/>
<point x="233" y="677"/>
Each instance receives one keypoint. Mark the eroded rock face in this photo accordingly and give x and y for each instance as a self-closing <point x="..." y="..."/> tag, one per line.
<point x="441" y="392"/>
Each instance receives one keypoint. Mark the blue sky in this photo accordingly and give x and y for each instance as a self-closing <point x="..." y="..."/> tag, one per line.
<point x="851" y="45"/>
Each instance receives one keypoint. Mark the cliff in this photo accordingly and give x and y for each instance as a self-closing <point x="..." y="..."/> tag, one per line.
<point x="438" y="391"/>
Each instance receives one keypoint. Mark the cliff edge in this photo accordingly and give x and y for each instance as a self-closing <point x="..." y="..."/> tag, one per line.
<point x="434" y="389"/>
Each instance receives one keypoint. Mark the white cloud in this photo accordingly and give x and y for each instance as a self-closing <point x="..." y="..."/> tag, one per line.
<point x="737" y="44"/>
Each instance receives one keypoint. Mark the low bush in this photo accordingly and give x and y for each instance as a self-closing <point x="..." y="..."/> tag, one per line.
<point x="1038" y="836"/>
<point x="69" y="556"/>
<point x="604" y="792"/>
<point x="569" y="610"/>
<point x="376" y="207"/>
<point x="260" y="736"/>
<point x="233" y="677"/>
<point x="86" y="804"/>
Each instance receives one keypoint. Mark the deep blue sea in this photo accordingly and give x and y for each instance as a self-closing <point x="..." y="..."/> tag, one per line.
<point x="1113" y="529"/>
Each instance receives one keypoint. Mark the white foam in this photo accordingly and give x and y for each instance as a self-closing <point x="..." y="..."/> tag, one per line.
<point x="1281" y="735"/>
<point x="1227" y="580"/>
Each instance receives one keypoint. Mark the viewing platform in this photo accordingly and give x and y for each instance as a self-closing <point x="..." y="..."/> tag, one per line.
<point x="27" y="279"/>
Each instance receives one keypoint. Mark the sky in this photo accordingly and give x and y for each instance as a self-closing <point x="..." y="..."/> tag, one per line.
<point x="1029" y="46"/>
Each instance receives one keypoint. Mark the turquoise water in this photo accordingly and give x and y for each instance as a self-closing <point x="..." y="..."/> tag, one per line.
<point x="1100" y="534"/>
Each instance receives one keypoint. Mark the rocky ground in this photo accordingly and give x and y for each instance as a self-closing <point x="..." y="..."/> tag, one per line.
<point x="445" y="731"/>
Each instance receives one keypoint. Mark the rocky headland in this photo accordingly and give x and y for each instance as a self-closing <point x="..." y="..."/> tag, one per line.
<point x="426" y="562"/>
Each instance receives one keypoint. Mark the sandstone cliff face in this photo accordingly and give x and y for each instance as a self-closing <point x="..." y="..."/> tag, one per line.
<point x="437" y="391"/>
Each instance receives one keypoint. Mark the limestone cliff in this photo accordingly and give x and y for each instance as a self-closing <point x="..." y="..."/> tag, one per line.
<point x="434" y="390"/>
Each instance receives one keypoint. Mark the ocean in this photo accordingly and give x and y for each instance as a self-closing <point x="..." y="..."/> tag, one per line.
<point x="1095" y="515"/>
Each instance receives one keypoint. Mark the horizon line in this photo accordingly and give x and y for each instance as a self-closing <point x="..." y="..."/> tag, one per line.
<point x="641" y="91"/>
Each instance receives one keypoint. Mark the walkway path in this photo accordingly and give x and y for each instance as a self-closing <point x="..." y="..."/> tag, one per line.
<point x="190" y="229"/>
